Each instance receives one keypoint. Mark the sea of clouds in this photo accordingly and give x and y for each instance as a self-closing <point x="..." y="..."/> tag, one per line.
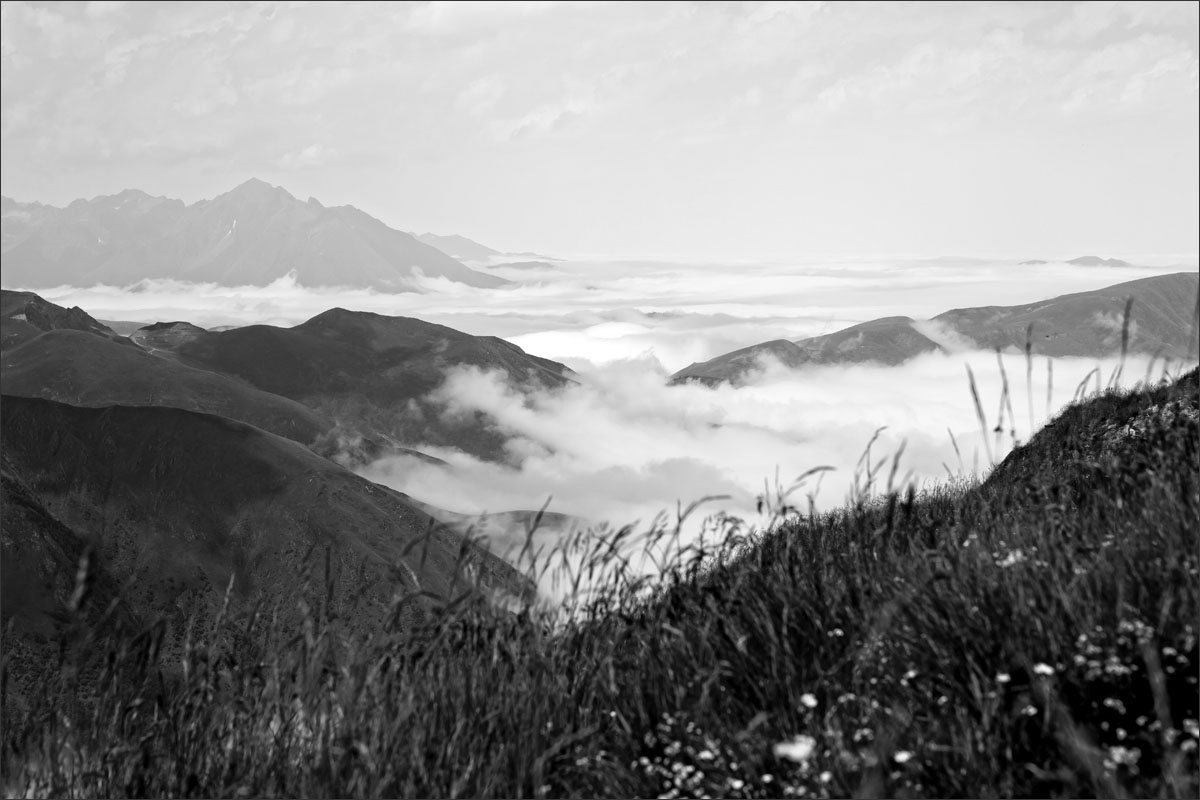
<point x="623" y="445"/>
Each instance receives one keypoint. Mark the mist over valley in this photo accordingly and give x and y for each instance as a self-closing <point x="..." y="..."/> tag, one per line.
<point x="539" y="399"/>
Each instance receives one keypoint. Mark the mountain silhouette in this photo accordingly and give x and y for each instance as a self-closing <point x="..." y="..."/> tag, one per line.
<point x="1084" y="324"/>
<point x="252" y="235"/>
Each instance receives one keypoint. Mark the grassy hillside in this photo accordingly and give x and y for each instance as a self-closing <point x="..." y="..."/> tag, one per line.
<point x="1032" y="635"/>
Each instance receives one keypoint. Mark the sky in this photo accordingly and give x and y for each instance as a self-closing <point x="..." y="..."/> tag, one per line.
<point x="732" y="130"/>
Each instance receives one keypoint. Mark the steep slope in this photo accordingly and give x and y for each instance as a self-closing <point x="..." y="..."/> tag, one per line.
<point x="1089" y="324"/>
<point x="178" y="503"/>
<point x="371" y="373"/>
<point x="24" y="315"/>
<point x="71" y="366"/>
<point x="40" y="561"/>
<point x="253" y="234"/>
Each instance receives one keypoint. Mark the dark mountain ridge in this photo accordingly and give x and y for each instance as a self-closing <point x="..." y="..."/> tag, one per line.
<point x="351" y="385"/>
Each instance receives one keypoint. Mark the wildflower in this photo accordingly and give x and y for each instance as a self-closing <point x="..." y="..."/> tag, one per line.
<point x="837" y="632"/>
<point x="1003" y="677"/>
<point x="705" y="755"/>
<point x="736" y="785"/>
<point x="826" y="776"/>
<point x="809" y="700"/>
<point x="799" y="748"/>
<point x="902" y="756"/>
<point x="1029" y="711"/>
<point x="1043" y="668"/>
<point x="1014" y="557"/>
<point x="1124" y="755"/>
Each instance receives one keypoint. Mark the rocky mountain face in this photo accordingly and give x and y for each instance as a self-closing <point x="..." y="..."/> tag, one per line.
<point x="1085" y="324"/>
<point x="251" y="235"/>
<point x="25" y="315"/>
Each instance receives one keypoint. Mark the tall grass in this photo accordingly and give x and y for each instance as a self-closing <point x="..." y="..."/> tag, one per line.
<point x="1033" y="634"/>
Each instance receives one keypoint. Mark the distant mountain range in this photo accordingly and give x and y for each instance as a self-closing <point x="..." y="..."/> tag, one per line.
<point x="459" y="246"/>
<point x="251" y="235"/>
<point x="462" y="248"/>
<point x="1084" y="261"/>
<point x="1162" y="322"/>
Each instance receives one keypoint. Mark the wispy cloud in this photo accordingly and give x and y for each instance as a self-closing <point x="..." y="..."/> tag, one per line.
<point x="652" y="127"/>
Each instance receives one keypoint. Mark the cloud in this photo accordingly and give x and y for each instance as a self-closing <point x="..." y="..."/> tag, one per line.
<point x="623" y="447"/>
<point x="310" y="157"/>
<point x="590" y="312"/>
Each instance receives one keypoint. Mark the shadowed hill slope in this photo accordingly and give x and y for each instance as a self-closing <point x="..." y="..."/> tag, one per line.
<point x="79" y="368"/>
<point x="371" y="373"/>
<point x="176" y="503"/>
<point x="1032" y="637"/>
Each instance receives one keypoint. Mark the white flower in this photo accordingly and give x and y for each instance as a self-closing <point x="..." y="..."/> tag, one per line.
<point x="799" y="748"/>
<point x="1124" y="755"/>
<point x="1043" y="668"/>
<point x="902" y="756"/>
<point x="809" y="700"/>
<point x="1002" y="677"/>
<point x="1014" y="557"/>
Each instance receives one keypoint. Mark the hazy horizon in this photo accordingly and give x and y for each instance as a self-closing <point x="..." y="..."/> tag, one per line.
<point x="1042" y="130"/>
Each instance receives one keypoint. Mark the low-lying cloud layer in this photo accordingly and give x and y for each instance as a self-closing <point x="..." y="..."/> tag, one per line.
<point x="624" y="446"/>
<point x="591" y="312"/>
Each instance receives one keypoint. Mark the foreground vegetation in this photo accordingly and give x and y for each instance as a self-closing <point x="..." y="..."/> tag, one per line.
<point x="1031" y="635"/>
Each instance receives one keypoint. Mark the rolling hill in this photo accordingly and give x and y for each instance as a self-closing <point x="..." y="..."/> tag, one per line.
<point x="79" y="368"/>
<point x="1083" y="324"/>
<point x="351" y="385"/>
<point x="251" y="235"/>
<point x="370" y="373"/>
